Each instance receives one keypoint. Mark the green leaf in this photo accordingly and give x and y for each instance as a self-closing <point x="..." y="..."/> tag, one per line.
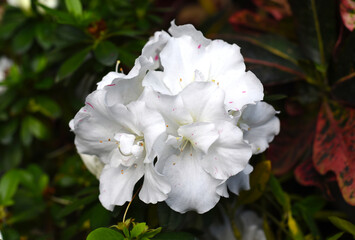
<point x="72" y="64"/>
<point x="8" y="186"/>
<point x="281" y="197"/>
<point x="336" y="236"/>
<point x="99" y="216"/>
<point x="35" y="127"/>
<point x="23" y="40"/>
<point x="11" y="156"/>
<point x="343" y="225"/>
<point x="106" y="53"/>
<point x="39" y="63"/>
<point x="45" y="34"/>
<point x="138" y="229"/>
<point x="25" y="132"/>
<point x="7" y="131"/>
<point x="105" y="234"/>
<point x="174" y="236"/>
<point x="74" y="7"/>
<point x="45" y="105"/>
<point x="151" y="233"/>
<point x="76" y="205"/>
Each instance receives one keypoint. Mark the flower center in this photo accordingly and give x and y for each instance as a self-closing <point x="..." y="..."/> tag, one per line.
<point x="130" y="144"/>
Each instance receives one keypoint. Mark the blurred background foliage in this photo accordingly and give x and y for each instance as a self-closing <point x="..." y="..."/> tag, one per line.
<point x="302" y="50"/>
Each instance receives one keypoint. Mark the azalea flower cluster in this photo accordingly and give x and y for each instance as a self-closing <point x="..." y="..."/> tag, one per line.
<point x="187" y="118"/>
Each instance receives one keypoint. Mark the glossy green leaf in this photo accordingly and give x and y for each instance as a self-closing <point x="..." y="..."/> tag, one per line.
<point x="76" y="205"/>
<point x="23" y="39"/>
<point x="105" y="234"/>
<point x="8" y="186"/>
<point x="72" y="64"/>
<point x="343" y="225"/>
<point x="36" y="127"/>
<point x="106" y="53"/>
<point x="45" y="105"/>
<point x="336" y="236"/>
<point x="138" y="229"/>
<point x="7" y="131"/>
<point x="281" y="197"/>
<point x="45" y="34"/>
<point x="74" y="7"/>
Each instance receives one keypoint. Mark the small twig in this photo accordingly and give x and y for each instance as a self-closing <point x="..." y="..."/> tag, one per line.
<point x="129" y="204"/>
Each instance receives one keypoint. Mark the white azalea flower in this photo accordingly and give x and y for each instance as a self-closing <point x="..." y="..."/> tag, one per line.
<point x="203" y="148"/>
<point x="187" y="56"/>
<point x="122" y="132"/>
<point x="248" y="223"/>
<point x="5" y="64"/>
<point x="259" y="125"/>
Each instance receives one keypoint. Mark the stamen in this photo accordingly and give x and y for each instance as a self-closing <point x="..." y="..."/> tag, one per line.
<point x="117" y="64"/>
<point x="122" y="171"/>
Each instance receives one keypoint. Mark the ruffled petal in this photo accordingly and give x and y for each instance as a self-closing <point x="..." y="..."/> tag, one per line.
<point x="191" y="187"/>
<point x="204" y="101"/>
<point x="94" y="126"/>
<point x="179" y="59"/>
<point x="155" y="186"/>
<point x="151" y="124"/>
<point x="190" y="30"/>
<point x="154" y="46"/>
<point x="117" y="184"/>
<point x="170" y="107"/>
<point x="240" y="181"/>
<point x="229" y="154"/>
<point x="262" y="124"/>
<point x="108" y="78"/>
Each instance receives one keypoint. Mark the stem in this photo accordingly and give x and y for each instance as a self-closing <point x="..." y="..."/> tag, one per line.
<point x="319" y="35"/>
<point x="129" y="204"/>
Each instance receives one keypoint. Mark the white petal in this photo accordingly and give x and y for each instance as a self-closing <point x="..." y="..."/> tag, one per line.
<point x="95" y="126"/>
<point x="155" y="80"/>
<point x="93" y="164"/>
<point x="108" y="78"/>
<point x="190" y="30"/>
<point x="229" y="154"/>
<point x="263" y="125"/>
<point x="201" y="135"/>
<point x="240" y="181"/>
<point x="117" y="184"/>
<point x="204" y="101"/>
<point x="127" y="89"/>
<point x="191" y="187"/>
<point x="126" y="143"/>
<point x="150" y="123"/>
<point x="155" y="186"/>
<point x="154" y="46"/>
<point x="180" y="58"/>
<point x="170" y="107"/>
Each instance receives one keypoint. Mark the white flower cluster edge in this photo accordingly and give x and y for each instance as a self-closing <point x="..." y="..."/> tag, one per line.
<point x="187" y="118"/>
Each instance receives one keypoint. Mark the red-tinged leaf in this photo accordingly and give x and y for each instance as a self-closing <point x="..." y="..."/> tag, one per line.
<point x="347" y="12"/>
<point x="250" y="20"/>
<point x="333" y="148"/>
<point x="291" y="145"/>
<point x="307" y="175"/>
<point x="277" y="8"/>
